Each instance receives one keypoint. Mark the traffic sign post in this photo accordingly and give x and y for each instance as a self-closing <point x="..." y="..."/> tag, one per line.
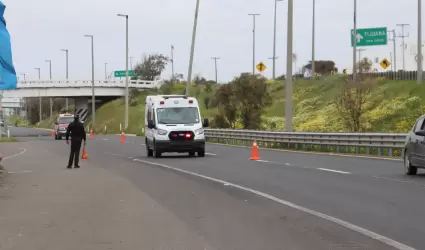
<point x="385" y="63"/>
<point x="121" y="73"/>
<point x="370" y="37"/>
<point x="261" y="67"/>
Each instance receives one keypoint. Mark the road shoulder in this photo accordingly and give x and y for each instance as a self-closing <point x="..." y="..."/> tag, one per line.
<point x="45" y="206"/>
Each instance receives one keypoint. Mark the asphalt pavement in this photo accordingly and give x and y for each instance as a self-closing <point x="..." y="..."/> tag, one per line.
<point x="288" y="200"/>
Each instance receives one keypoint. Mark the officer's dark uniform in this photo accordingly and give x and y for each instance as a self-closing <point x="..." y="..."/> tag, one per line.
<point x="78" y="133"/>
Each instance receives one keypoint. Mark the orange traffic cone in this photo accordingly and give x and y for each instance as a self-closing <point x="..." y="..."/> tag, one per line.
<point x="254" y="155"/>
<point x="91" y="133"/>
<point x="122" y="137"/>
<point x="53" y="132"/>
<point x="84" y="155"/>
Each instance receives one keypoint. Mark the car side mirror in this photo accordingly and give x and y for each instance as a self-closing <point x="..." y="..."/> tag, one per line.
<point x="420" y="133"/>
<point x="206" y="123"/>
<point x="151" y="125"/>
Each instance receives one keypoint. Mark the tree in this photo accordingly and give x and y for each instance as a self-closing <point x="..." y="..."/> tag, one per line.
<point x="227" y="106"/>
<point x="151" y="67"/>
<point x="364" y="65"/>
<point x="244" y="98"/>
<point x="252" y="97"/>
<point x="199" y="80"/>
<point x="321" y="67"/>
<point x="351" y="102"/>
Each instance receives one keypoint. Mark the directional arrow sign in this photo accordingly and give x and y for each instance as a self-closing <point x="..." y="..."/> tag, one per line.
<point x="370" y="37"/>
<point x="385" y="63"/>
<point x="261" y="67"/>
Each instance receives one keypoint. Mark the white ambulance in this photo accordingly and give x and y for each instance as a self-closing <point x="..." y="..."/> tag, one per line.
<point x="173" y="124"/>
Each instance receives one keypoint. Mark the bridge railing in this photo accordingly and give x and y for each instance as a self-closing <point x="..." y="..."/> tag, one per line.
<point x="87" y="83"/>
<point x="380" y="144"/>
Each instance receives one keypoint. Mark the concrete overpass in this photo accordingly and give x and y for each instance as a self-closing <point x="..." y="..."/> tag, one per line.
<point x="80" y="91"/>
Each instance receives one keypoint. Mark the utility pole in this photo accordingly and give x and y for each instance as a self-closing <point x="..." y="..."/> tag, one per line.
<point x="394" y="40"/>
<point x="420" y="57"/>
<point x="66" y="52"/>
<point x="288" y="81"/>
<point x="93" y="100"/>
<point x="172" y="63"/>
<point x="192" y="50"/>
<point x="355" y="43"/>
<point x="106" y="72"/>
<point x="131" y="62"/>
<point x="39" y="98"/>
<point x="253" y="43"/>
<point x="402" y="35"/>
<point x="216" y="72"/>
<point x="274" y="38"/>
<point x="50" y="99"/>
<point x="360" y="53"/>
<point x="126" y="71"/>
<point x="313" y="42"/>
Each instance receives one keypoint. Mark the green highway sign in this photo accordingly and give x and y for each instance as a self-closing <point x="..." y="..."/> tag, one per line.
<point x="370" y="37"/>
<point x="121" y="73"/>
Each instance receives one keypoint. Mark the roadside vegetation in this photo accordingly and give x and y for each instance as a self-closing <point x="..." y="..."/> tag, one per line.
<point x="332" y="103"/>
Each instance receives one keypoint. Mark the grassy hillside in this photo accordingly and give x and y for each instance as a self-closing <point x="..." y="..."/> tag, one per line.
<point x="392" y="106"/>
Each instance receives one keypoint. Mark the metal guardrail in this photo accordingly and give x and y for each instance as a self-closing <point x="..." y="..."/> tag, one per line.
<point x="381" y="144"/>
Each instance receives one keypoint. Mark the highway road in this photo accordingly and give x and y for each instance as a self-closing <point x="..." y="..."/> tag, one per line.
<point x="288" y="200"/>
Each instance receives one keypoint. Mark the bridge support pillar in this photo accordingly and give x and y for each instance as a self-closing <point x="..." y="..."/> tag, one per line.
<point x="82" y="107"/>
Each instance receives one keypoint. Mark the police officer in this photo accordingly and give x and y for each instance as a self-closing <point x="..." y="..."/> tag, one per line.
<point x="78" y="134"/>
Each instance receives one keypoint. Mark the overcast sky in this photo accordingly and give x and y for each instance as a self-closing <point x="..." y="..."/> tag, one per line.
<point x="40" y="28"/>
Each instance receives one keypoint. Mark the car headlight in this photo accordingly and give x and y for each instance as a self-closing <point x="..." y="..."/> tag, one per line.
<point x="199" y="131"/>
<point x="162" y="132"/>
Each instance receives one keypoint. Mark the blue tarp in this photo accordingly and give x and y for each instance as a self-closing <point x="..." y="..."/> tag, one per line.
<point x="7" y="71"/>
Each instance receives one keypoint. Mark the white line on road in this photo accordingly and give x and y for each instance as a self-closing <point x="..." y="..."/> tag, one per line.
<point x="401" y="181"/>
<point x="210" y="154"/>
<point x="345" y="224"/>
<point x="11" y="156"/>
<point x="20" y="172"/>
<point x="334" y="171"/>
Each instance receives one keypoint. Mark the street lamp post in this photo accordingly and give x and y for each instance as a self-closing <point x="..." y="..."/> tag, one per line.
<point x="131" y="62"/>
<point x="216" y="72"/>
<point x="192" y="49"/>
<point x="288" y="81"/>
<point x="39" y="98"/>
<point x="420" y="57"/>
<point x="106" y="72"/>
<point x="313" y="41"/>
<point x="50" y="99"/>
<point x="253" y="43"/>
<point x="126" y="71"/>
<point x="355" y="43"/>
<point x="24" y="74"/>
<point x="93" y="100"/>
<point x="274" y="38"/>
<point x="66" y="72"/>
<point x="172" y="63"/>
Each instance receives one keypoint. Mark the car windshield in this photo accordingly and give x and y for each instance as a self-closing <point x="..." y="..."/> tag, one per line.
<point x="66" y="120"/>
<point x="177" y="115"/>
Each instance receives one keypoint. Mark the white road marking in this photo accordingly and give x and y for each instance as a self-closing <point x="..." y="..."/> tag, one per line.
<point x="11" y="156"/>
<point x="342" y="223"/>
<point x="396" y="180"/>
<point x="263" y="161"/>
<point x="210" y="154"/>
<point x="20" y="172"/>
<point x="334" y="171"/>
<point x="105" y="139"/>
<point x="109" y="153"/>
